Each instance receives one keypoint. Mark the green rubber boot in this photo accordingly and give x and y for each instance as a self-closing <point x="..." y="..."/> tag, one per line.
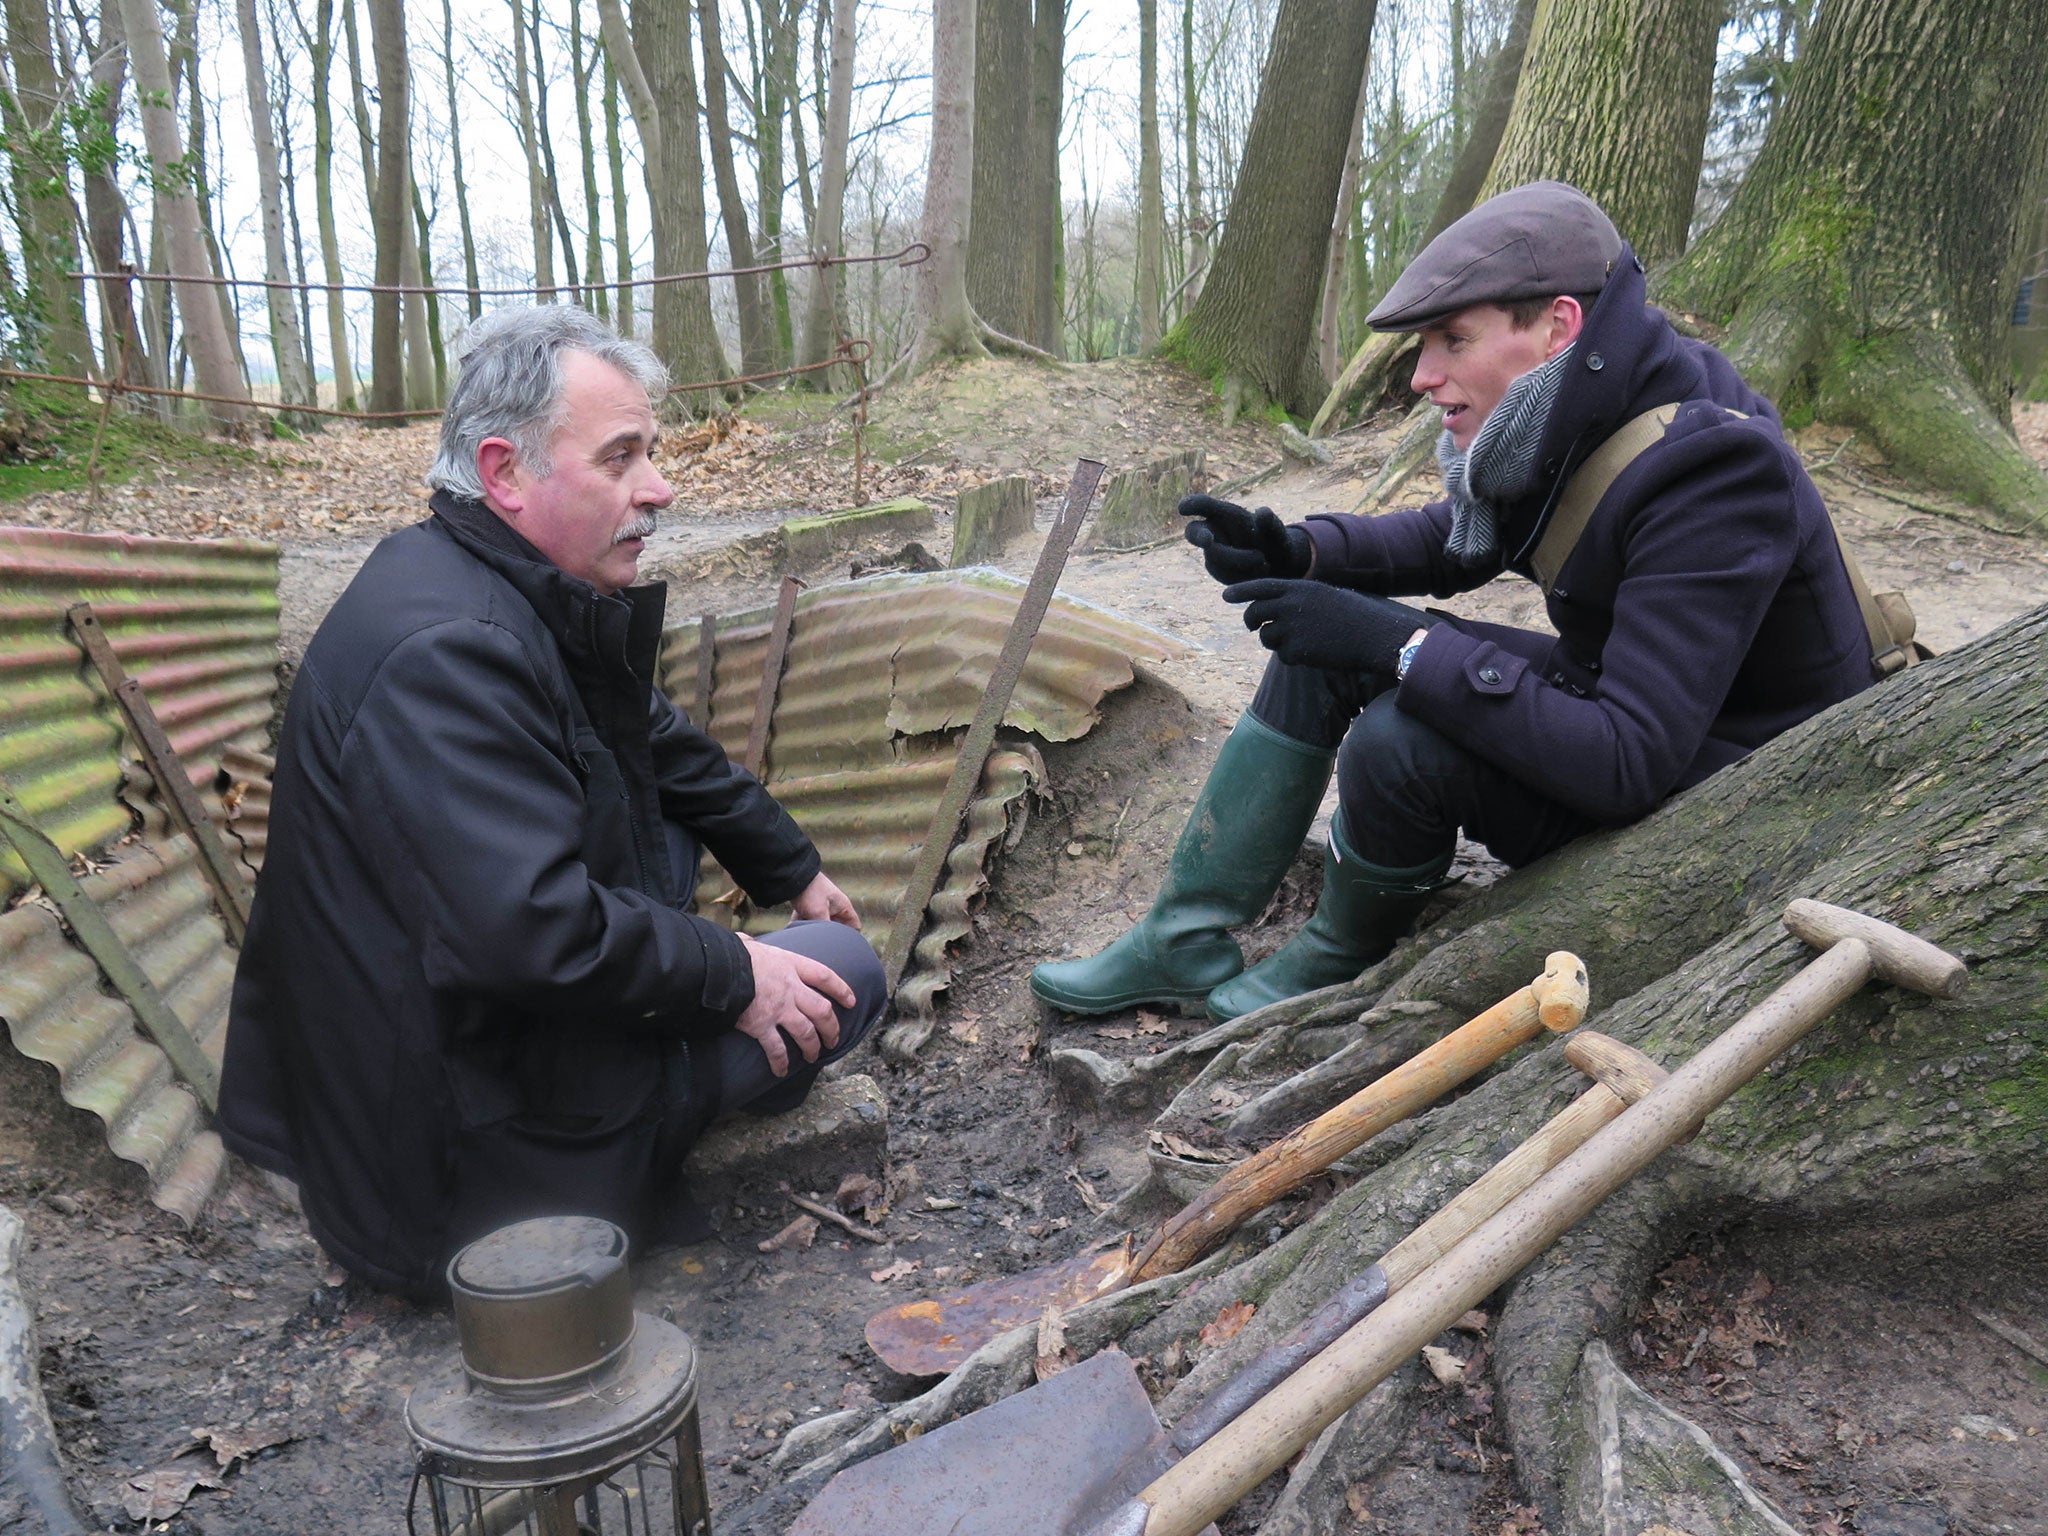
<point x="1242" y="835"/>
<point x="1364" y="909"/>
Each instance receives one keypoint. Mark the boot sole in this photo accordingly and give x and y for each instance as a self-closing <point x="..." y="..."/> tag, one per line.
<point x="1188" y="1004"/>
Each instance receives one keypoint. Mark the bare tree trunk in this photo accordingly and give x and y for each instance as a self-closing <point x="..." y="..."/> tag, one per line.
<point x="775" y="91"/>
<point x="551" y="175"/>
<point x="1253" y="328"/>
<point x="185" y="66"/>
<point x="1151" y="197"/>
<point x="757" y="345"/>
<point x="106" y="211"/>
<point x="1043" y="211"/>
<point x="1196" y="221"/>
<point x="287" y="342"/>
<point x="1489" y="122"/>
<point x="685" y="336"/>
<point x="49" y="242"/>
<point x="582" y="66"/>
<point x="469" y="272"/>
<point x="177" y="214"/>
<point x="1865" y="264"/>
<point x="391" y="215"/>
<point x="823" y="322"/>
<point x="426" y="365"/>
<point x="320" y="54"/>
<point x="622" y="234"/>
<point x="1328" y="342"/>
<point x="1614" y="98"/>
<point x="1002" y="255"/>
<point x="529" y="142"/>
<point x="946" y="321"/>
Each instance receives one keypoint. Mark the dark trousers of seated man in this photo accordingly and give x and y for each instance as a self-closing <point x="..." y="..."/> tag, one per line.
<point x="1404" y="790"/>
<point x="627" y="1172"/>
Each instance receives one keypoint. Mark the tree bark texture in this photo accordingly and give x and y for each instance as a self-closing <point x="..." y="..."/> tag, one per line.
<point x="757" y="343"/>
<point x="107" y="221"/>
<point x="823" y="320"/>
<point x="775" y="96"/>
<point x="685" y="336"/>
<point x="287" y="342"/>
<point x="946" y="321"/>
<point x="1252" y="330"/>
<point x="1193" y="219"/>
<point x="177" y="214"/>
<point x="1002" y="252"/>
<point x="1329" y="341"/>
<point x="1044" y="209"/>
<point x="320" y="57"/>
<point x="622" y="233"/>
<point x="38" y="141"/>
<point x="1916" y="802"/>
<point x="1613" y="98"/>
<point x="1151" y="196"/>
<point x="1489" y="121"/>
<point x="1865" y="264"/>
<point x="391" y="217"/>
<point x="582" y="66"/>
<point x="529" y="143"/>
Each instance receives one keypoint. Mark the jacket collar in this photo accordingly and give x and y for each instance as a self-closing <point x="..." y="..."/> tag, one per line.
<point x="618" y="630"/>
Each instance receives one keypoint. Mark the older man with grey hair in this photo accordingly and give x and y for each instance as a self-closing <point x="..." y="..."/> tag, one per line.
<point x="473" y="990"/>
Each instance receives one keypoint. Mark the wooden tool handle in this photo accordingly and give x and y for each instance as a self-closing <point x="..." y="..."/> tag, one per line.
<point x="1556" y="1000"/>
<point x="1214" y="1477"/>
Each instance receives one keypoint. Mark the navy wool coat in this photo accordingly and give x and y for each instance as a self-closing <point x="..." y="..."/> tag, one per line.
<point x="1704" y="609"/>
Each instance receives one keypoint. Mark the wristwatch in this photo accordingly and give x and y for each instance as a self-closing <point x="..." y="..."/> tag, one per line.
<point x="1407" y="656"/>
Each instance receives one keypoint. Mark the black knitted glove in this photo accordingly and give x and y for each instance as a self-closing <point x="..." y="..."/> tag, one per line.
<point x="1238" y="545"/>
<point x="1313" y="624"/>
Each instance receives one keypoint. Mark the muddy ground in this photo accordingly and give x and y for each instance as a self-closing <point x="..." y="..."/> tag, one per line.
<point x="1857" y="1381"/>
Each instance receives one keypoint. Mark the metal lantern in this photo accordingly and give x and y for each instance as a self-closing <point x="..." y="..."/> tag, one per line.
<point x="568" y="1414"/>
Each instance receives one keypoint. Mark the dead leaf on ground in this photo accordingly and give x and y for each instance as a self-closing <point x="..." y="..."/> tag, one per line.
<point x="1446" y="1367"/>
<point x="157" y="1495"/>
<point x="1187" y="1151"/>
<point x="1117" y="1033"/>
<point x="1053" y="1355"/>
<point x="895" y="1271"/>
<point x="1097" y="1206"/>
<point x="1522" y="1520"/>
<point x="1151" y="1024"/>
<point x="1229" y="1323"/>
<point x="863" y="1193"/>
<point x="1358" y="1500"/>
<point x="800" y="1233"/>
<point x="233" y="1445"/>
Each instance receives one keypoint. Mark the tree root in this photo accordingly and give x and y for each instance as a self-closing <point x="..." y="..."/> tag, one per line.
<point x="30" y="1462"/>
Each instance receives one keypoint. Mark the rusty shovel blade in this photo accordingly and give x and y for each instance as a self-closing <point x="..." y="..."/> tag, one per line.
<point x="932" y="1336"/>
<point x="1046" y="1461"/>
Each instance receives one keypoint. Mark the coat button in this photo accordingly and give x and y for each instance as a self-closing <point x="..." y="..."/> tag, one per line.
<point x="1489" y="675"/>
<point x="1596" y="362"/>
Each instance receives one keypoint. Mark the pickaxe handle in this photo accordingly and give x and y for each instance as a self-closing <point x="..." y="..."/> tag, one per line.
<point x="1269" y="1433"/>
<point x="1555" y="1000"/>
<point x="1622" y="1075"/>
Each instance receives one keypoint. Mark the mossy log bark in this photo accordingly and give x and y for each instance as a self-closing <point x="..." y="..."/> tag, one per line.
<point x="1253" y="327"/>
<point x="1613" y="98"/>
<point x="1866" y="266"/>
<point x="1918" y="802"/>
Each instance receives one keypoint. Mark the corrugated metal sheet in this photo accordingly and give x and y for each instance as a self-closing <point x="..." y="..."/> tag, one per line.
<point x="195" y="620"/>
<point x="883" y="677"/>
<point x="57" y="1012"/>
<point x="242" y="789"/>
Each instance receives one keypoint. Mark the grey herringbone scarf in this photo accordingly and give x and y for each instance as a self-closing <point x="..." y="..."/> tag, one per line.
<point x="1501" y="463"/>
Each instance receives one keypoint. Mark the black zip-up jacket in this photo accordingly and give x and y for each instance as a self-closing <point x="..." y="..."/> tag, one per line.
<point x="469" y="985"/>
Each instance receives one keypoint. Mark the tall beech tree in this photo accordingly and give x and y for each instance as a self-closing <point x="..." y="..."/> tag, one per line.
<point x="1865" y="267"/>
<point x="1010" y="280"/>
<point x="287" y="340"/>
<point x="823" y="316"/>
<point x="38" y="146"/>
<point x="1614" y="97"/>
<point x="757" y="342"/>
<point x="391" y="212"/>
<point x="207" y="341"/>
<point x="1151" y="196"/>
<point x="1253" y="329"/>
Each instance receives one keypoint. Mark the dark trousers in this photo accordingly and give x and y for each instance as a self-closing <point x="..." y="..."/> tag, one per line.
<point x="1405" y="788"/>
<point x="736" y="1064"/>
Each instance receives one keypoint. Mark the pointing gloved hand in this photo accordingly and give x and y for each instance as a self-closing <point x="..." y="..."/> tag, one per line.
<point x="1238" y="545"/>
<point x="1313" y="624"/>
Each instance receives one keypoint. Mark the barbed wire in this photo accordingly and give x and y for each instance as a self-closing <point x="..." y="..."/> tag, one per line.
<point x="902" y="258"/>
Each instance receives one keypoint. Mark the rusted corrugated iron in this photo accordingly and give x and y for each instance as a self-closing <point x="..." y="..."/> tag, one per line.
<point x="194" y="620"/>
<point x="883" y="676"/>
<point x="242" y="789"/>
<point x="56" y="1012"/>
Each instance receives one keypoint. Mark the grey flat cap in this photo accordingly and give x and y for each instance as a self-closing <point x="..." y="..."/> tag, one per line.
<point x="1538" y="240"/>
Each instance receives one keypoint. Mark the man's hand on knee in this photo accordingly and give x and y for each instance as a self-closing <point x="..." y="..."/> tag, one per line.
<point x="795" y="993"/>
<point x="823" y="902"/>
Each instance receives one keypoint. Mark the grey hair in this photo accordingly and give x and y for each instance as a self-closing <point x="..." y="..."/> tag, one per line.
<point x="511" y="386"/>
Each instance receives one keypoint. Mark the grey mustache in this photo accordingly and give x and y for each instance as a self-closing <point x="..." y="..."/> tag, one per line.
<point x="641" y="527"/>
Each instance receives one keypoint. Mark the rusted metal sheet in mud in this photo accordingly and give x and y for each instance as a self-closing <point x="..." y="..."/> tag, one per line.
<point x="888" y="657"/>
<point x="241" y="788"/>
<point x="57" y="1013"/>
<point x="882" y="677"/>
<point x="194" y="620"/>
<point x="1040" y="1463"/>
<point x="931" y="1336"/>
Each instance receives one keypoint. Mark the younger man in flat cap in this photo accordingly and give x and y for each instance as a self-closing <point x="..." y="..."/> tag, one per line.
<point x="1703" y="609"/>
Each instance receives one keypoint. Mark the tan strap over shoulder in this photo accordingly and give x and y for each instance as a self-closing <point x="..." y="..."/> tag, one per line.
<point x="1589" y="482"/>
